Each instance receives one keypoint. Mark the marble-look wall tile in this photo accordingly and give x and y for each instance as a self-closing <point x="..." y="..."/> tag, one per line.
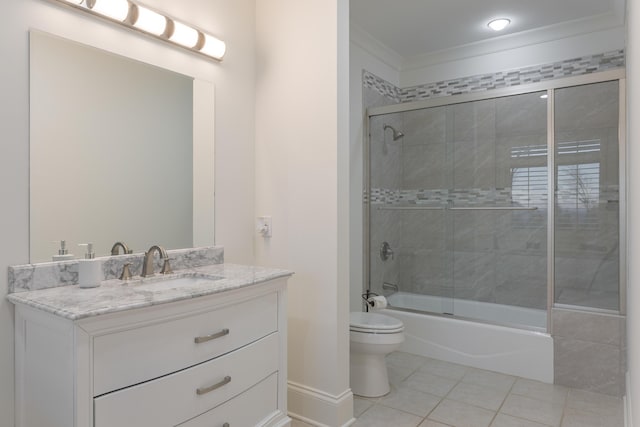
<point x="521" y="114"/>
<point x="31" y="277"/>
<point x="473" y="121"/>
<point x="427" y="272"/>
<point x="594" y="327"/>
<point x="588" y="366"/>
<point x="385" y="153"/>
<point x="425" y="166"/>
<point x="424" y="230"/>
<point x="522" y="232"/>
<point x="474" y="164"/>
<point x="589" y="351"/>
<point x="373" y="98"/>
<point x="521" y="279"/>
<point x="592" y="106"/>
<point x="425" y="126"/>
<point x="474" y="275"/>
<point x="384" y="226"/>
<point x="473" y="231"/>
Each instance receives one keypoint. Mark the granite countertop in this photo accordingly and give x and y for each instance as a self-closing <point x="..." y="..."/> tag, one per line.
<point x="114" y="295"/>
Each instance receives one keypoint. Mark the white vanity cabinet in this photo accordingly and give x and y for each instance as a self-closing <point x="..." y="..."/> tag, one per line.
<point x="216" y="360"/>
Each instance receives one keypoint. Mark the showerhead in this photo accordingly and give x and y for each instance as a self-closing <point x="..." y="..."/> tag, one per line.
<point x="396" y="134"/>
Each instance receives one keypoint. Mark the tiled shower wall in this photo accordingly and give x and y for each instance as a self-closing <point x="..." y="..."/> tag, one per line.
<point x="424" y="262"/>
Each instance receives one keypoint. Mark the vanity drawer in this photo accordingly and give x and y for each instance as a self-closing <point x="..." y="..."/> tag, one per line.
<point x="132" y="356"/>
<point x="251" y="408"/>
<point x="181" y="396"/>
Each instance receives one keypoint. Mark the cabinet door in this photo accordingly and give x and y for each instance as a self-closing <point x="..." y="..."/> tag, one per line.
<point x="252" y="408"/>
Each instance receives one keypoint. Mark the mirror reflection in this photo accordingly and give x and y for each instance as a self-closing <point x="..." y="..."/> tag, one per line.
<point x="111" y="151"/>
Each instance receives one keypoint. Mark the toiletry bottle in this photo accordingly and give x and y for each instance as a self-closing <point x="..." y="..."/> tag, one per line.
<point x="63" y="254"/>
<point x="89" y="269"/>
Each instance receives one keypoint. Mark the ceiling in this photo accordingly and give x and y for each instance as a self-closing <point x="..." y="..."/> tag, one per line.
<point x="410" y="29"/>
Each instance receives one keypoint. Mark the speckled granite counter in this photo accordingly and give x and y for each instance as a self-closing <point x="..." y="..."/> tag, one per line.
<point x="114" y="295"/>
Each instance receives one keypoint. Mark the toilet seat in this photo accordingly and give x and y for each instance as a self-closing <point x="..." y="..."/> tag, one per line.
<point x="374" y="323"/>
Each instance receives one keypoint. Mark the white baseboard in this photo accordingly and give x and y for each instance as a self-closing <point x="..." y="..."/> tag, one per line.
<point x="628" y="422"/>
<point x="318" y="408"/>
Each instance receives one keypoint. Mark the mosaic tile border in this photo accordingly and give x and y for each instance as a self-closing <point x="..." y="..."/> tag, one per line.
<point x="570" y="67"/>
<point x="464" y="196"/>
<point x="439" y="197"/>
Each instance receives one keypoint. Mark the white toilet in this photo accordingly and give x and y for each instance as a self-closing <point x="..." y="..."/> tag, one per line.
<point x="372" y="337"/>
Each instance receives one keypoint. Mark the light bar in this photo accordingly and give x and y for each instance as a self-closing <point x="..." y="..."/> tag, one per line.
<point x="153" y="23"/>
<point x="150" y="21"/>
<point x="114" y="9"/>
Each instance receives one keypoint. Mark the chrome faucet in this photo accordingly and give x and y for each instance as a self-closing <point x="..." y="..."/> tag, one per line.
<point x="115" y="249"/>
<point x="147" y="264"/>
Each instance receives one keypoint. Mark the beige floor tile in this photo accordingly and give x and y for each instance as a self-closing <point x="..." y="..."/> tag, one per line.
<point x="460" y="414"/>
<point x="430" y="423"/>
<point x="409" y="400"/>
<point x="489" y="379"/>
<point x="382" y="416"/>
<point x="360" y="405"/>
<point x="405" y="360"/>
<point x="540" y="391"/>
<point x="444" y="369"/>
<point x="549" y="413"/>
<point x="594" y="402"/>
<point x="429" y="383"/>
<point x="503" y="420"/>
<point x="397" y="374"/>
<point x="477" y="395"/>
<point x="577" y="418"/>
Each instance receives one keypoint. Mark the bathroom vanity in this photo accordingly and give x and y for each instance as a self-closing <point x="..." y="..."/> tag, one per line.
<point x="205" y="346"/>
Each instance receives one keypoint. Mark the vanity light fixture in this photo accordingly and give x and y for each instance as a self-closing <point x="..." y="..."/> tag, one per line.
<point x="149" y="21"/>
<point x="155" y="24"/>
<point x="184" y="35"/>
<point x="499" y="24"/>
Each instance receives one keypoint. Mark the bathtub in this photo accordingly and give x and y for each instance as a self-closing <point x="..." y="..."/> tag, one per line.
<point x="526" y="353"/>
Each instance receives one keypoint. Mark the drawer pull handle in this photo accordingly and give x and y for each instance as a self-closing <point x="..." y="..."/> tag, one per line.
<point x="226" y="425"/>
<point x="206" y="338"/>
<point x="205" y="390"/>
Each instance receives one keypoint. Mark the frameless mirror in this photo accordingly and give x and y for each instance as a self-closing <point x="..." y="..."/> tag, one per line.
<point x="120" y="150"/>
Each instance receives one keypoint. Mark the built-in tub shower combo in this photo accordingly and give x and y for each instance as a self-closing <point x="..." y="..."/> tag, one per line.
<point x="485" y="212"/>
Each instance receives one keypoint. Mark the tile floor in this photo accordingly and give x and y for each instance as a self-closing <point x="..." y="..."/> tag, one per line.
<point x="431" y="393"/>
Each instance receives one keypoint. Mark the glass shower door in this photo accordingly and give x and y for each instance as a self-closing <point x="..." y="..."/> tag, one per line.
<point x="409" y="260"/>
<point x="587" y="256"/>
<point x="498" y="209"/>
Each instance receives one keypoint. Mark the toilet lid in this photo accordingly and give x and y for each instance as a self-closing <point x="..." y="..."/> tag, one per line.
<point x="374" y="322"/>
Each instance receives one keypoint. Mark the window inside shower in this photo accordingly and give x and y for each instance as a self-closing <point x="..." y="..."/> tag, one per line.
<point x="458" y="189"/>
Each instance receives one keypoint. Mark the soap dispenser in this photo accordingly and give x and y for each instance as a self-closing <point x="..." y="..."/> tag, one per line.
<point x="63" y="253"/>
<point x="89" y="269"/>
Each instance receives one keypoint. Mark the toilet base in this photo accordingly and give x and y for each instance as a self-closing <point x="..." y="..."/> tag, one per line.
<point x="368" y="374"/>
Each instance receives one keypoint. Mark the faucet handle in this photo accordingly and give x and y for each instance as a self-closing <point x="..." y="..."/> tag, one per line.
<point x="126" y="272"/>
<point x="166" y="267"/>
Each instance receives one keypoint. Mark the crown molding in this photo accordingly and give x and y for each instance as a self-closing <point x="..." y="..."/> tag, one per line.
<point x="366" y="41"/>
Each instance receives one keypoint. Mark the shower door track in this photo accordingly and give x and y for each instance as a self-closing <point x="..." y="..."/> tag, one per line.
<point x="464" y="208"/>
<point x="494" y="208"/>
